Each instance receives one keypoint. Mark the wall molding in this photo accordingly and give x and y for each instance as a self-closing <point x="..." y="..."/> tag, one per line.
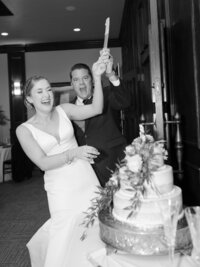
<point x="58" y="46"/>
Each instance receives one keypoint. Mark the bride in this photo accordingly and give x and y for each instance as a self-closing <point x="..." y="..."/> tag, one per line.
<point x="48" y="140"/>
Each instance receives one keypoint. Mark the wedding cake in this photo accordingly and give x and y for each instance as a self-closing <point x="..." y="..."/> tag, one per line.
<point x="132" y="206"/>
<point x="148" y="214"/>
<point x="145" y="183"/>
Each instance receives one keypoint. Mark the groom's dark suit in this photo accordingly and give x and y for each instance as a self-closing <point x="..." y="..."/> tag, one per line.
<point x="103" y="131"/>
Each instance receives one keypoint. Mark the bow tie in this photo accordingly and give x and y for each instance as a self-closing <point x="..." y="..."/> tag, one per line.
<point x="87" y="101"/>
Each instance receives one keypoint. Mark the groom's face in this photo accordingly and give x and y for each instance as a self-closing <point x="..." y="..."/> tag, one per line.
<point x="82" y="83"/>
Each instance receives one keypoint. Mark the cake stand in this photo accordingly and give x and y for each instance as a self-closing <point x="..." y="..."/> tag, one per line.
<point x="139" y="241"/>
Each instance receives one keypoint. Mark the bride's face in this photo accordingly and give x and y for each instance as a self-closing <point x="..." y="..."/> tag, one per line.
<point x="41" y="95"/>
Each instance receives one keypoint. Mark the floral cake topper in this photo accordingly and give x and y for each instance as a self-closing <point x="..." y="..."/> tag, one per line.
<point x="142" y="157"/>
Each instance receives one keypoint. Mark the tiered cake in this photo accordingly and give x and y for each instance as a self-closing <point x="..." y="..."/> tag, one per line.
<point x="142" y="182"/>
<point x="148" y="215"/>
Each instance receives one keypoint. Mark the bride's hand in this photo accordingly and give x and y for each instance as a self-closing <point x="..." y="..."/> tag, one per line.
<point x="88" y="153"/>
<point x="99" y="67"/>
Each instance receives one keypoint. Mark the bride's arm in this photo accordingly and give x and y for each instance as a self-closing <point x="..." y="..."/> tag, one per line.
<point x="45" y="162"/>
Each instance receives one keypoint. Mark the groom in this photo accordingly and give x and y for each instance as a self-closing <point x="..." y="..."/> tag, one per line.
<point x="103" y="131"/>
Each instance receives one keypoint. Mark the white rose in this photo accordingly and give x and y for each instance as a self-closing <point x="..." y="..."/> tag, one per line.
<point x="113" y="179"/>
<point x="134" y="163"/>
<point x="150" y="138"/>
<point x="122" y="172"/>
<point x="158" y="150"/>
<point x="129" y="149"/>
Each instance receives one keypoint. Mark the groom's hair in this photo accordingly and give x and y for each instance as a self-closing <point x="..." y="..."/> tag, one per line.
<point x="79" y="66"/>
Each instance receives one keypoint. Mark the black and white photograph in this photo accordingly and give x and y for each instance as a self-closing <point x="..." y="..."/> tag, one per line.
<point x="99" y="133"/>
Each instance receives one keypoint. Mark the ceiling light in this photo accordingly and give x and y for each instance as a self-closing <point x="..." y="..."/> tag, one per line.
<point x="4" y="34"/>
<point x="70" y="8"/>
<point x="76" y="29"/>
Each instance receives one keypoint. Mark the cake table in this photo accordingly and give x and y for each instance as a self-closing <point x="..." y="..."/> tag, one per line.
<point x="92" y="252"/>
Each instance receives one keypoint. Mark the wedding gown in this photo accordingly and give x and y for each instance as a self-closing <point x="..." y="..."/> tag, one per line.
<point x="69" y="192"/>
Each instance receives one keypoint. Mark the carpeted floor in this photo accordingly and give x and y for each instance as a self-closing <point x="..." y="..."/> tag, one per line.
<point x="23" y="209"/>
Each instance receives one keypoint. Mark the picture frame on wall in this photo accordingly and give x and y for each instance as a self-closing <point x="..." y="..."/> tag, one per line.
<point x="63" y="92"/>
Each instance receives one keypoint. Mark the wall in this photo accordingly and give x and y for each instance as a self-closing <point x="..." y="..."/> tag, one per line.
<point x="54" y="65"/>
<point x="184" y="29"/>
<point x="4" y="96"/>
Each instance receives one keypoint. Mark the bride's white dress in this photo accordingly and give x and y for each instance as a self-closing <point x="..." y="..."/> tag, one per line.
<point x="69" y="191"/>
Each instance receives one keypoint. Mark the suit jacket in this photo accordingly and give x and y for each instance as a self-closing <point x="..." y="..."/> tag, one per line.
<point x="103" y="132"/>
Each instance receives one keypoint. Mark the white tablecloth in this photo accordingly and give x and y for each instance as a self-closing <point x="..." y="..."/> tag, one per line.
<point x="5" y="153"/>
<point x="92" y="247"/>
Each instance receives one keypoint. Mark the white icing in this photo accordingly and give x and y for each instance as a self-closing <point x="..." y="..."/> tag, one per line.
<point x="149" y="214"/>
<point x="163" y="179"/>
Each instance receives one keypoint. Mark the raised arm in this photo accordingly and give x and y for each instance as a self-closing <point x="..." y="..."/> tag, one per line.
<point x="119" y="96"/>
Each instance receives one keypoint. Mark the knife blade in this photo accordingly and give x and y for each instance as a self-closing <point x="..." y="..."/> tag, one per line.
<point x="106" y="35"/>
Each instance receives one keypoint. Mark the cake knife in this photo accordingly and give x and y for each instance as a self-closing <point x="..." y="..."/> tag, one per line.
<point x="106" y="35"/>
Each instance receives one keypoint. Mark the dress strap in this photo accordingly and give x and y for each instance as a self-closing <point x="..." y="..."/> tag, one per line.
<point x="31" y="128"/>
<point x="61" y="112"/>
<point x="28" y="125"/>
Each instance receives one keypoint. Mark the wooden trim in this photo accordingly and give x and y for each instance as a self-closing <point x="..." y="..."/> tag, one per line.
<point x="155" y="68"/>
<point x="60" y="84"/>
<point x="58" y="46"/>
<point x="192" y="184"/>
<point x="12" y="48"/>
<point x="128" y="76"/>
<point x="170" y="76"/>
<point x="63" y="92"/>
<point x="193" y="167"/>
<point x="191" y="143"/>
<point x="16" y="71"/>
<point x="196" y="52"/>
<point x="125" y="16"/>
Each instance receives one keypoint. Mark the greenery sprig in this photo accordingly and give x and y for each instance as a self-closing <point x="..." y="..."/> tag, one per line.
<point x="102" y="201"/>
